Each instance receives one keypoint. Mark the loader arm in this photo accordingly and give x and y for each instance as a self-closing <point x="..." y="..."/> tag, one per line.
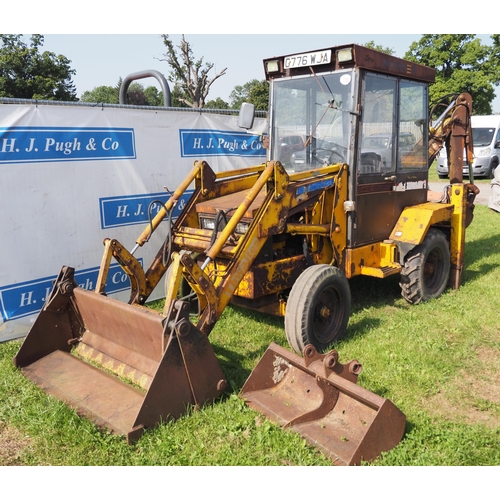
<point x="281" y="195"/>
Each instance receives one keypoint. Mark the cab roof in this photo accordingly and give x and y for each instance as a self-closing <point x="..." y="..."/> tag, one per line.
<point x="345" y="57"/>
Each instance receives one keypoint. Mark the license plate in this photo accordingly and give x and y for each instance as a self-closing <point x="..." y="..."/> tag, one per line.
<point x="309" y="59"/>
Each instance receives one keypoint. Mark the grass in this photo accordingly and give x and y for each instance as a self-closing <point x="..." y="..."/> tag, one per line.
<point x="438" y="362"/>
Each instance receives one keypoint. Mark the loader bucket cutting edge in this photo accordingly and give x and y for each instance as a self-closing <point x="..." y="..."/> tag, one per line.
<point x="345" y="422"/>
<point x="124" y="339"/>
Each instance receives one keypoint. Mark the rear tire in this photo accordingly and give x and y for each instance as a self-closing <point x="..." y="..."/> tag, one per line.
<point x="318" y="308"/>
<point x="426" y="269"/>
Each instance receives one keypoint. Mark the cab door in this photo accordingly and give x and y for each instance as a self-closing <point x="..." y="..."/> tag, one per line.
<point x="391" y="165"/>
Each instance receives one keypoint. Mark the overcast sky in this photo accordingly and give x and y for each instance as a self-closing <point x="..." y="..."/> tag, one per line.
<point x="92" y="35"/>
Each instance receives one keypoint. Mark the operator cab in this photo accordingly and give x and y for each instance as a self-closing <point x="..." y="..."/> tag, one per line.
<point x="356" y="106"/>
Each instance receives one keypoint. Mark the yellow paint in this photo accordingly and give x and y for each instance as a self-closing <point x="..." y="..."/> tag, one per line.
<point x="415" y="221"/>
<point x="378" y="260"/>
<point x="457" y="234"/>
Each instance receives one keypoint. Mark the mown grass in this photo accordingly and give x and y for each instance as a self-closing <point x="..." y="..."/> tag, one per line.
<point x="438" y="362"/>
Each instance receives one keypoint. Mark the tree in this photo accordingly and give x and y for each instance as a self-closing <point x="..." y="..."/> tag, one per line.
<point x="190" y="76"/>
<point x="217" y="104"/>
<point x="102" y="94"/>
<point x="177" y="97"/>
<point x="27" y="73"/>
<point x="259" y="95"/>
<point x="153" y="96"/>
<point x="136" y="95"/>
<point x="255" y="92"/>
<point x="463" y="64"/>
<point x="372" y="45"/>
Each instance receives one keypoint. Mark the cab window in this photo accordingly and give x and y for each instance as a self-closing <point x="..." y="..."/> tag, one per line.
<point x="377" y="154"/>
<point x="412" y="146"/>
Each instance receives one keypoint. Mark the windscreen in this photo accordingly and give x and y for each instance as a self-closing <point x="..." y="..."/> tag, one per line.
<point x="482" y="136"/>
<point x="311" y="120"/>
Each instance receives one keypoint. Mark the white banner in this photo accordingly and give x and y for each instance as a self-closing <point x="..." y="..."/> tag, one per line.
<point x="71" y="176"/>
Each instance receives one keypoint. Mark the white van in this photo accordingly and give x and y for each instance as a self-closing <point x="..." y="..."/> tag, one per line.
<point x="486" y="137"/>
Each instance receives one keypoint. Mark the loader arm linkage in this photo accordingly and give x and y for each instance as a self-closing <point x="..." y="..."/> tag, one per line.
<point x="271" y="195"/>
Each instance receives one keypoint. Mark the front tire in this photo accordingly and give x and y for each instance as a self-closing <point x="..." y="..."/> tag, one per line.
<point x="318" y="308"/>
<point x="491" y="172"/>
<point x="426" y="269"/>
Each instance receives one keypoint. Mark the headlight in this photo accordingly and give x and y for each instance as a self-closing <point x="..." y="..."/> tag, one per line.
<point x="241" y="227"/>
<point x="207" y="223"/>
<point x="484" y="152"/>
<point x="272" y="66"/>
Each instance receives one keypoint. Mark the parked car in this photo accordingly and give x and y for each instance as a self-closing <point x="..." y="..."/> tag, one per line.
<point x="288" y="145"/>
<point x="323" y="152"/>
<point x="486" y="139"/>
<point x="381" y="144"/>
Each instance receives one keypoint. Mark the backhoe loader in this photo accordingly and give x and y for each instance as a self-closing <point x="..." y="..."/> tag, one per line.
<point x="343" y="193"/>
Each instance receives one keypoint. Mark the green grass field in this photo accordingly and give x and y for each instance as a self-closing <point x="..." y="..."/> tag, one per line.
<point x="439" y="362"/>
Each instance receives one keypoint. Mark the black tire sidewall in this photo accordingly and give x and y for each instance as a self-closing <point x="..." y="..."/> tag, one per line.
<point x="413" y="276"/>
<point x="303" y="300"/>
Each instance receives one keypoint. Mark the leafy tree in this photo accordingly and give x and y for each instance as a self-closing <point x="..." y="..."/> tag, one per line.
<point x="27" y="73"/>
<point x="177" y="97"/>
<point x="190" y="77"/>
<point x="255" y="91"/>
<point x="217" y="104"/>
<point x="259" y="95"/>
<point x="154" y="97"/>
<point x="372" y="45"/>
<point x="463" y="64"/>
<point x="102" y="94"/>
<point x="136" y="95"/>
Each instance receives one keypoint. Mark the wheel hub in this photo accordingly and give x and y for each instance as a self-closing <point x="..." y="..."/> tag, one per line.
<point x="325" y="312"/>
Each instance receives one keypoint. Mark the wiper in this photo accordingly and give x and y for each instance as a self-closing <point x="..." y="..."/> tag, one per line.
<point x="331" y="105"/>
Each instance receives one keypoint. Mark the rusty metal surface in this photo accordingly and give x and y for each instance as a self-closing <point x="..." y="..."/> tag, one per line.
<point x="129" y="336"/>
<point x="318" y="398"/>
<point x="93" y="393"/>
<point x="173" y="361"/>
<point x="231" y="201"/>
<point x="363" y="57"/>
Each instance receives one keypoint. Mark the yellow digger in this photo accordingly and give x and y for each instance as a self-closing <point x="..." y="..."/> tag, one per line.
<point x="344" y="192"/>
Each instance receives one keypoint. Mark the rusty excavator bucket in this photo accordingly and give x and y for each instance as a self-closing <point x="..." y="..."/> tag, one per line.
<point x="317" y="397"/>
<point x="81" y="340"/>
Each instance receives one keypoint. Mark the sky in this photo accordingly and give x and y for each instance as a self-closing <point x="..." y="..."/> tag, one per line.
<point x="109" y="40"/>
<point x="102" y="59"/>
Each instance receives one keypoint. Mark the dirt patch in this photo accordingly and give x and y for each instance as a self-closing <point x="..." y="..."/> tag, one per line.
<point x="474" y="395"/>
<point x="12" y="445"/>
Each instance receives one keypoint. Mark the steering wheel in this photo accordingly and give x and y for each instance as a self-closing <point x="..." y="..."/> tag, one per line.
<point x="327" y="158"/>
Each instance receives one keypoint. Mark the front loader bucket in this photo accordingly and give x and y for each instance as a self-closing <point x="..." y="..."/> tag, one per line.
<point x="317" y="397"/>
<point x="82" y="340"/>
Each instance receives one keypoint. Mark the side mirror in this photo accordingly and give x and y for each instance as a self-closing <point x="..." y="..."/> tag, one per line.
<point x="246" y="116"/>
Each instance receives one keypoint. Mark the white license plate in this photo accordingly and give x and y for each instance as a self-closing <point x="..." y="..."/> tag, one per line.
<point x="310" y="59"/>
